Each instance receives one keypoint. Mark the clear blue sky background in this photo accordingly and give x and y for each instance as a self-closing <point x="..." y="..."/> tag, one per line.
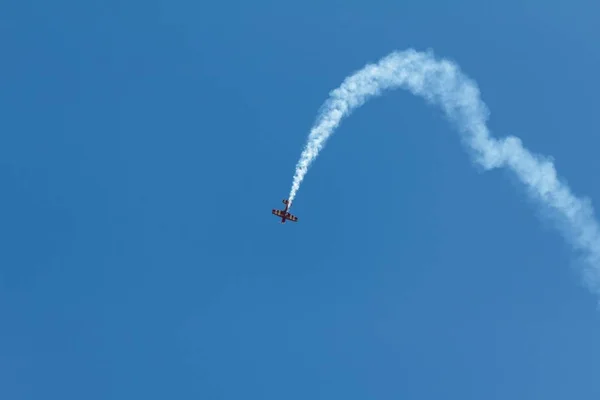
<point x="144" y="143"/>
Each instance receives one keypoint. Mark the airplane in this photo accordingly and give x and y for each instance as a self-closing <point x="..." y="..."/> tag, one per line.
<point x="284" y="214"/>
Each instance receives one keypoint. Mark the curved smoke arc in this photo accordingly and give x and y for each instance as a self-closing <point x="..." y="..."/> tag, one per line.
<point x="441" y="82"/>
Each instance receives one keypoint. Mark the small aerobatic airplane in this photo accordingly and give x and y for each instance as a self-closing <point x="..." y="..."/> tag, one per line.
<point x="284" y="214"/>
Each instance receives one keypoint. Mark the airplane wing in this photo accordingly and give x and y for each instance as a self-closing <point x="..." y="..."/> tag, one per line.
<point x="285" y="215"/>
<point x="291" y="217"/>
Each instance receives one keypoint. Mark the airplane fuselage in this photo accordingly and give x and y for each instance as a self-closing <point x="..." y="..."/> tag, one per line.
<point x="284" y="211"/>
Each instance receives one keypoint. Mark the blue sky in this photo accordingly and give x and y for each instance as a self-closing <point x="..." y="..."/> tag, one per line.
<point x="144" y="144"/>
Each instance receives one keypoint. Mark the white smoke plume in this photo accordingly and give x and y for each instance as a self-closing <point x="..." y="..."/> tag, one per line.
<point x="442" y="83"/>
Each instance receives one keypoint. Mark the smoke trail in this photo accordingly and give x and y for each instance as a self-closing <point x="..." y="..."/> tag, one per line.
<point x="442" y="83"/>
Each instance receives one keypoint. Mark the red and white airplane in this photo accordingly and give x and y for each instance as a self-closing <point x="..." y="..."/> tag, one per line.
<point x="284" y="214"/>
